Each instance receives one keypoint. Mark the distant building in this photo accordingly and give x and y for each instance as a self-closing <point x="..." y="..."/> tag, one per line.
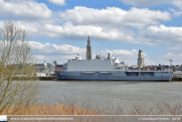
<point x="89" y="51"/>
<point x="149" y="67"/>
<point x="44" y="69"/>
<point x="133" y="67"/>
<point x="177" y="68"/>
<point x="141" y="60"/>
<point x="59" y="67"/>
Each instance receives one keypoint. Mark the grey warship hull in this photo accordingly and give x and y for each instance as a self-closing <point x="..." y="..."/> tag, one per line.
<point x="114" y="76"/>
<point x="109" y="69"/>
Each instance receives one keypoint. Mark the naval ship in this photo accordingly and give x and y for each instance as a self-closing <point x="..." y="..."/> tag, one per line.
<point x="100" y="69"/>
<point x="104" y="69"/>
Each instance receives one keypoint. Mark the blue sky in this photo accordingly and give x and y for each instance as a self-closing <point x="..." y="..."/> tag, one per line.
<point x="58" y="29"/>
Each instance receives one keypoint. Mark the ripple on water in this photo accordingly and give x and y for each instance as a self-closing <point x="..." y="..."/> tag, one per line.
<point x="109" y="94"/>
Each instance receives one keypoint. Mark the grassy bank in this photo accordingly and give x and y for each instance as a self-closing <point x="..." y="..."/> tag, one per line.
<point x="61" y="109"/>
<point x="176" y="79"/>
<point x="39" y="78"/>
<point x="56" y="109"/>
<point x="48" y="78"/>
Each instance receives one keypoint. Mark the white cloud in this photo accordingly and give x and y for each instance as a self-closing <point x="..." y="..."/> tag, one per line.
<point x="176" y="13"/>
<point x="58" y="2"/>
<point x="145" y="2"/>
<point x="174" y="53"/>
<point x="176" y="57"/>
<point x="48" y="49"/>
<point x="177" y="3"/>
<point x="81" y="31"/>
<point x="152" y="35"/>
<point x="162" y="59"/>
<point x="114" y="17"/>
<point x="151" y="62"/>
<point x="169" y="55"/>
<point x="69" y="31"/>
<point x="162" y="34"/>
<point x="106" y="24"/>
<point x="27" y="9"/>
<point x="34" y="28"/>
<point x="51" y="52"/>
<point x="142" y="3"/>
<point x="130" y="53"/>
<point x="176" y="48"/>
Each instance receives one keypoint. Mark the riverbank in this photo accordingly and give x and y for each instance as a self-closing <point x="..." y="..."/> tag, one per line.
<point x="49" y="78"/>
<point x="176" y="80"/>
<point x="73" y="109"/>
<point x="46" y="109"/>
<point x="55" y="79"/>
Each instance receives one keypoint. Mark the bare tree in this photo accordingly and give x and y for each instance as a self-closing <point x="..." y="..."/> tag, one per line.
<point x="18" y="86"/>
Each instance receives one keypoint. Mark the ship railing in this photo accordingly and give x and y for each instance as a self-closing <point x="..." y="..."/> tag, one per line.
<point x="149" y="70"/>
<point x="104" y="72"/>
<point x="88" y="72"/>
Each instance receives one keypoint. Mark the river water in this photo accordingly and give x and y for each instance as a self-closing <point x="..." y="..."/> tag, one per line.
<point x="109" y="94"/>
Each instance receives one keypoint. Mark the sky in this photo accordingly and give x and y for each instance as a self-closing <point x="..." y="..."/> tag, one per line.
<point x="59" y="29"/>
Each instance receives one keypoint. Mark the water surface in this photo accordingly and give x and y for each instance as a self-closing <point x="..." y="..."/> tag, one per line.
<point x="109" y="94"/>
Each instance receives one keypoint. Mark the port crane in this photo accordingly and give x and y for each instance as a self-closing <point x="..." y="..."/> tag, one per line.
<point x="170" y="61"/>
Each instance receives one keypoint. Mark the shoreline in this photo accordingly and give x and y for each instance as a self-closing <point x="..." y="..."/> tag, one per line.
<point x="55" y="79"/>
